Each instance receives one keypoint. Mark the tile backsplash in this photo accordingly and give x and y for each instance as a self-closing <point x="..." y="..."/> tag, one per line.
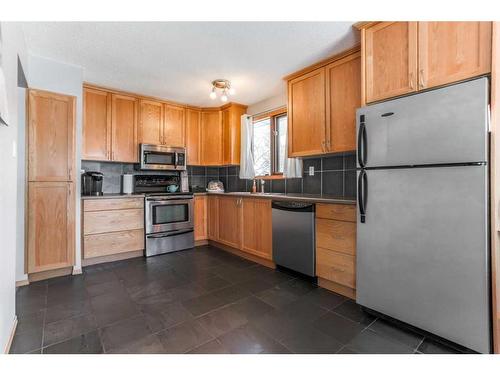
<point x="333" y="175"/>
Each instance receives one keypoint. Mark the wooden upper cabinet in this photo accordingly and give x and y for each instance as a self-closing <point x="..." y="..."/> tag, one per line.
<point x="211" y="137"/>
<point x="231" y="124"/>
<point x="51" y="136"/>
<point x="51" y="225"/>
<point x="306" y="114"/>
<point x="96" y="144"/>
<point x="390" y="58"/>
<point x="124" y="128"/>
<point x="343" y="97"/>
<point x="230" y="221"/>
<point x="174" y="126"/>
<point x="150" y="122"/>
<point x="193" y="136"/>
<point x="256" y="231"/>
<point x="452" y="51"/>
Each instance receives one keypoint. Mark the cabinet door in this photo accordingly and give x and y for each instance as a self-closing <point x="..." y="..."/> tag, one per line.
<point x="452" y="51"/>
<point x="390" y="58"/>
<point x="231" y="124"/>
<point x="51" y="127"/>
<point x="200" y="218"/>
<point x="213" y="218"/>
<point x="150" y="122"/>
<point x="124" y="128"/>
<point x="211" y="138"/>
<point x="193" y="136"/>
<point x="230" y="221"/>
<point x="96" y="143"/>
<point x="343" y="97"/>
<point x="306" y="114"/>
<point x="256" y="230"/>
<point x="51" y="226"/>
<point x="173" y="128"/>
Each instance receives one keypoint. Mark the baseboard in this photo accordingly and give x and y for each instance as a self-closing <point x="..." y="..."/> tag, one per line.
<point x="77" y="271"/>
<point x="337" y="288"/>
<point x="242" y="254"/>
<point x="11" y="338"/>
<point x="112" y="258"/>
<point x="38" y="276"/>
<point x="22" y="283"/>
<point x="200" y="242"/>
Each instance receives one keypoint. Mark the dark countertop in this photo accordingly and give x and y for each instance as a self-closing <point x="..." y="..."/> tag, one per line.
<point x="315" y="198"/>
<point x="112" y="195"/>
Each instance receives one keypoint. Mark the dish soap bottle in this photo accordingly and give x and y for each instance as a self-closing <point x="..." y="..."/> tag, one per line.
<point x="254" y="187"/>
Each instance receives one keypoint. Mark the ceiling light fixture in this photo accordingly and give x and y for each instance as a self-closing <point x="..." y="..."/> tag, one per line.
<point x="225" y="86"/>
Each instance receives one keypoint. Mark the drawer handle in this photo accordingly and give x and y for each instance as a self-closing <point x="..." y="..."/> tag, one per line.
<point x="339" y="269"/>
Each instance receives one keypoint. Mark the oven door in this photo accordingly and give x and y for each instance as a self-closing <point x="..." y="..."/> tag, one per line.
<point x="167" y="214"/>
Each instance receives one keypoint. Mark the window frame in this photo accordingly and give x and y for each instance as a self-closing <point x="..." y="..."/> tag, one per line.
<point x="272" y="116"/>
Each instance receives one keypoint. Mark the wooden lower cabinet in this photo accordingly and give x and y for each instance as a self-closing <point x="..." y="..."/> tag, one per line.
<point x="112" y="226"/>
<point x="336" y="248"/>
<point x="257" y="227"/>
<point x="51" y="226"/>
<point x="200" y="217"/>
<point x="230" y="221"/>
<point x="213" y="218"/>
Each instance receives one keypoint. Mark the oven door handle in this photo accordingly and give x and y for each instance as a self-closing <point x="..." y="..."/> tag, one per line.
<point x="169" y="233"/>
<point x="180" y="197"/>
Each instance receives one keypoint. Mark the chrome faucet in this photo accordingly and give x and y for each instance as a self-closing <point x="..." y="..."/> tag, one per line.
<point x="262" y="182"/>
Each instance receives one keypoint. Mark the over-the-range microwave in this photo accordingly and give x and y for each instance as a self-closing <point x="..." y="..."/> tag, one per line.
<point x="157" y="157"/>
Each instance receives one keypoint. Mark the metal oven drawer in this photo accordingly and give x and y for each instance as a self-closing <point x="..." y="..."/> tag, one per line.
<point x="166" y="242"/>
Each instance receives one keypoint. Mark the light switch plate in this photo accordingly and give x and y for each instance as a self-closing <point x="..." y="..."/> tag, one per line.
<point x="311" y="170"/>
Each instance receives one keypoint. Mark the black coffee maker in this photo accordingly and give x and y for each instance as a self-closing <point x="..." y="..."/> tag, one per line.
<point x="92" y="183"/>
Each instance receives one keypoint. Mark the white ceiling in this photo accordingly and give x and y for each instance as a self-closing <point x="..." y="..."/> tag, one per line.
<point x="178" y="60"/>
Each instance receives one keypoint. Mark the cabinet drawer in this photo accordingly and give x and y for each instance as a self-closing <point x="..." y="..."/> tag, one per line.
<point x="342" y="212"/>
<point x="112" y="204"/>
<point x="337" y="267"/>
<point x="112" y="221"/>
<point x="96" y="245"/>
<point x="336" y="235"/>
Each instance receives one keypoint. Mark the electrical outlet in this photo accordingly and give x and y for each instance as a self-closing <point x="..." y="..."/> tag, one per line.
<point x="311" y="170"/>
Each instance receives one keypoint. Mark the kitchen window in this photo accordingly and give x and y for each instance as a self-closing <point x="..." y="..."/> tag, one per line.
<point x="269" y="143"/>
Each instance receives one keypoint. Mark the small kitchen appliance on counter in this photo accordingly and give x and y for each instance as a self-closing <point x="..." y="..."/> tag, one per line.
<point x="92" y="183"/>
<point x="168" y="212"/>
<point x="215" y="187"/>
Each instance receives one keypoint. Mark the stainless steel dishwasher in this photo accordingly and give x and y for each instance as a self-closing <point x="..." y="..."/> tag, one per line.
<point x="293" y="236"/>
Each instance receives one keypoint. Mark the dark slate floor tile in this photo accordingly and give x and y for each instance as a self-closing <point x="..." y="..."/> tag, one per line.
<point x="124" y="333"/>
<point x="277" y="296"/>
<point x="255" y="285"/>
<point x="30" y="322"/>
<point x="347" y="350"/>
<point x="396" y="333"/>
<point x="208" y="302"/>
<point x="113" y="286"/>
<point x="148" y="345"/>
<point x="222" y="320"/>
<point x="297" y="287"/>
<point x="351" y="310"/>
<point x="250" y="340"/>
<point x="184" y="337"/>
<point x="279" y="325"/>
<point x="145" y="290"/>
<point x="67" y="310"/>
<point x="429" y="346"/>
<point x="31" y="298"/>
<point x="211" y="347"/>
<point x="66" y="329"/>
<point x="270" y="275"/>
<point x="27" y="341"/>
<point x="312" y="341"/>
<point x="66" y="291"/>
<point x="110" y="308"/>
<point x="169" y="315"/>
<point x="88" y="343"/>
<point x="338" y="327"/>
<point x="99" y="277"/>
<point x="211" y="283"/>
<point x="231" y="294"/>
<point x="368" y="342"/>
<point x="252" y="308"/>
<point x="323" y="298"/>
<point x="303" y="311"/>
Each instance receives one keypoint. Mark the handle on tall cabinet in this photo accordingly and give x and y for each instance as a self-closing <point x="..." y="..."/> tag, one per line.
<point x="362" y="194"/>
<point x="362" y="142"/>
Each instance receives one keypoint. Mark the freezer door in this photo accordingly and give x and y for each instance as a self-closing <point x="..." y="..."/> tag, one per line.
<point x="422" y="252"/>
<point x="447" y="125"/>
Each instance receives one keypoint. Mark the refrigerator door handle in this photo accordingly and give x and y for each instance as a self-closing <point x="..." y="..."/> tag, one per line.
<point x="362" y="194"/>
<point x="362" y="142"/>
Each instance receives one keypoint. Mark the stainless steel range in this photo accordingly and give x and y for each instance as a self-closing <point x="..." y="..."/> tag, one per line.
<point x="168" y="213"/>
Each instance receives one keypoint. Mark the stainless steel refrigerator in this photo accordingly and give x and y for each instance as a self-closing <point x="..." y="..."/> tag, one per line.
<point x="422" y="234"/>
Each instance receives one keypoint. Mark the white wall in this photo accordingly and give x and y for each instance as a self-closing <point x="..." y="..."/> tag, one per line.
<point x="12" y="44"/>
<point x="50" y="75"/>
<point x="268" y="104"/>
<point x="21" y="183"/>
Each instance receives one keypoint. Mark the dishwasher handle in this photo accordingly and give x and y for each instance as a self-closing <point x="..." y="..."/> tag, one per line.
<point x="293" y="206"/>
